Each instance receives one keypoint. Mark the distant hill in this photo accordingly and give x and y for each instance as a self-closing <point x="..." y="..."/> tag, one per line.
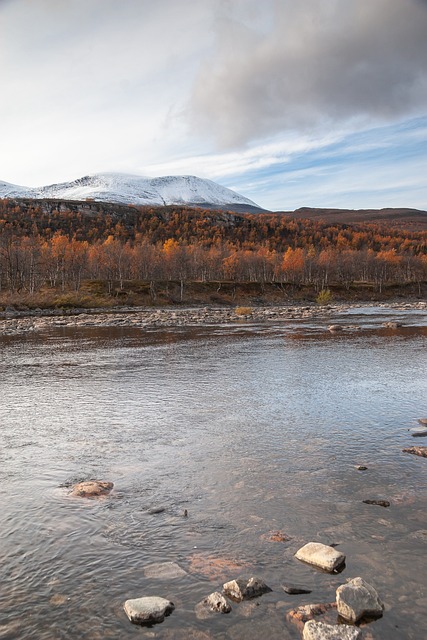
<point x="137" y="190"/>
<point x="415" y="219"/>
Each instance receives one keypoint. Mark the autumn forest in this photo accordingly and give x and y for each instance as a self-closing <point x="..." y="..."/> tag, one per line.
<point x="62" y="246"/>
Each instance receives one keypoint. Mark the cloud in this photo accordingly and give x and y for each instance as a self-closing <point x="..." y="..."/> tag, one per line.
<point x="311" y="65"/>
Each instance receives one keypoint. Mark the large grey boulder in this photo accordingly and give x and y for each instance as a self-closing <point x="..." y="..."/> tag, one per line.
<point x="239" y="590"/>
<point x="321" y="555"/>
<point x="148" y="610"/>
<point x="319" y="631"/>
<point x="357" y="599"/>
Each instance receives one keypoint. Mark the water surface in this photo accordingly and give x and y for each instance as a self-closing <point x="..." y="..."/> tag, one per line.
<point x="252" y="429"/>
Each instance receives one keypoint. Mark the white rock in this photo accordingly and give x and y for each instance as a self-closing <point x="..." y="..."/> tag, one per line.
<point x="148" y="610"/>
<point x="164" y="571"/>
<point x="321" y="555"/>
<point x="319" y="631"/>
<point x="357" y="599"/>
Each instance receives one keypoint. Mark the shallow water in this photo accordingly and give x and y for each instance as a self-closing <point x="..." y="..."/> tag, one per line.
<point x="252" y="429"/>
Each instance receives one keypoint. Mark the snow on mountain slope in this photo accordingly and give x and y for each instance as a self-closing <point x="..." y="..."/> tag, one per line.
<point x="8" y="190"/>
<point x="138" y="190"/>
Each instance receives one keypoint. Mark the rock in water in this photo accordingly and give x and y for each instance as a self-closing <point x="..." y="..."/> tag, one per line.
<point x="320" y="555"/>
<point x="333" y="328"/>
<point x="164" y="571"/>
<point x="419" y="432"/>
<point x="319" y="631"/>
<point x="378" y="503"/>
<point x="148" y="610"/>
<point x="214" y="603"/>
<point x="308" y="611"/>
<point x="92" y="489"/>
<point x="294" y="590"/>
<point x="240" y="590"/>
<point x="357" y="599"/>
<point x="417" y="451"/>
<point x="423" y="421"/>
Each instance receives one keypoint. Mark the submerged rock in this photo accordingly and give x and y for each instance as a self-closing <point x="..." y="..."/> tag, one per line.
<point x="320" y="631"/>
<point x="321" y="555"/>
<point x="378" y="503"/>
<point x="239" y="590"/>
<point x="214" y="603"/>
<point x="164" y="571"/>
<point x="417" y="451"/>
<point x="276" y="536"/>
<point x="306" y="612"/>
<point x="357" y="599"/>
<point x="148" y="610"/>
<point x="92" y="489"/>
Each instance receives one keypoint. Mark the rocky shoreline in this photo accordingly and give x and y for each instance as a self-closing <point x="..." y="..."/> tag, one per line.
<point x="13" y="322"/>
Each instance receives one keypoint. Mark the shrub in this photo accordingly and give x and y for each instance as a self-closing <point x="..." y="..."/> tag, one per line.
<point x="324" y="297"/>
<point x="243" y="311"/>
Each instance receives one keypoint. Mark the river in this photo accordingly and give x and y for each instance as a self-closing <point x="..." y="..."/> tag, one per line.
<point x="252" y="429"/>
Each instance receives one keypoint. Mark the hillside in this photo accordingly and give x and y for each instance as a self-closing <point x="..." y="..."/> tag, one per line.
<point x="414" y="219"/>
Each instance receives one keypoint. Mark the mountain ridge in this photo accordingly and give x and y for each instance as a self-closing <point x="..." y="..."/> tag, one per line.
<point x="122" y="188"/>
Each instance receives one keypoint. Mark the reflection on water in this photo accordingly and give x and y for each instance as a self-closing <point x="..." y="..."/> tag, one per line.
<point x="251" y="430"/>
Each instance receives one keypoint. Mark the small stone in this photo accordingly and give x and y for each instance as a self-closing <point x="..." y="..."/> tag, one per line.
<point x="333" y="328"/>
<point x="214" y="603"/>
<point x="148" y="610"/>
<point x="276" y="536"/>
<point x="361" y="467"/>
<point x="321" y="555"/>
<point x="294" y="590"/>
<point x="417" y="451"/>
<point x="319" y="631"/>
<point x="239" y="590"/>
<point x="164" y="571"/>
<point x="357" y="599"/>
<point x="92" y="489"/>
<point x="378" y="503"/>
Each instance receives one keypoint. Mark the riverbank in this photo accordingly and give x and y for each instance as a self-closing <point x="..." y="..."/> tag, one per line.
<point x="13" y="321"/>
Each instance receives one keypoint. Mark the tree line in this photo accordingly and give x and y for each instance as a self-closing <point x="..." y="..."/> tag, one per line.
<point x="60" y="245"/>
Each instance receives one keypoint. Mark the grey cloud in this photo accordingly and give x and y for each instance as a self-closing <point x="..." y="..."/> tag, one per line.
<point x="320" y="62"/>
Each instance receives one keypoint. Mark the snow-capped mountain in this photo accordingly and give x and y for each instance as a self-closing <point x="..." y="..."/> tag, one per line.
<point x="137" y="190"/>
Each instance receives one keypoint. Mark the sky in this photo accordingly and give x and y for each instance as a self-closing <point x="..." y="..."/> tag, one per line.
<point x="319" y="103"/>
